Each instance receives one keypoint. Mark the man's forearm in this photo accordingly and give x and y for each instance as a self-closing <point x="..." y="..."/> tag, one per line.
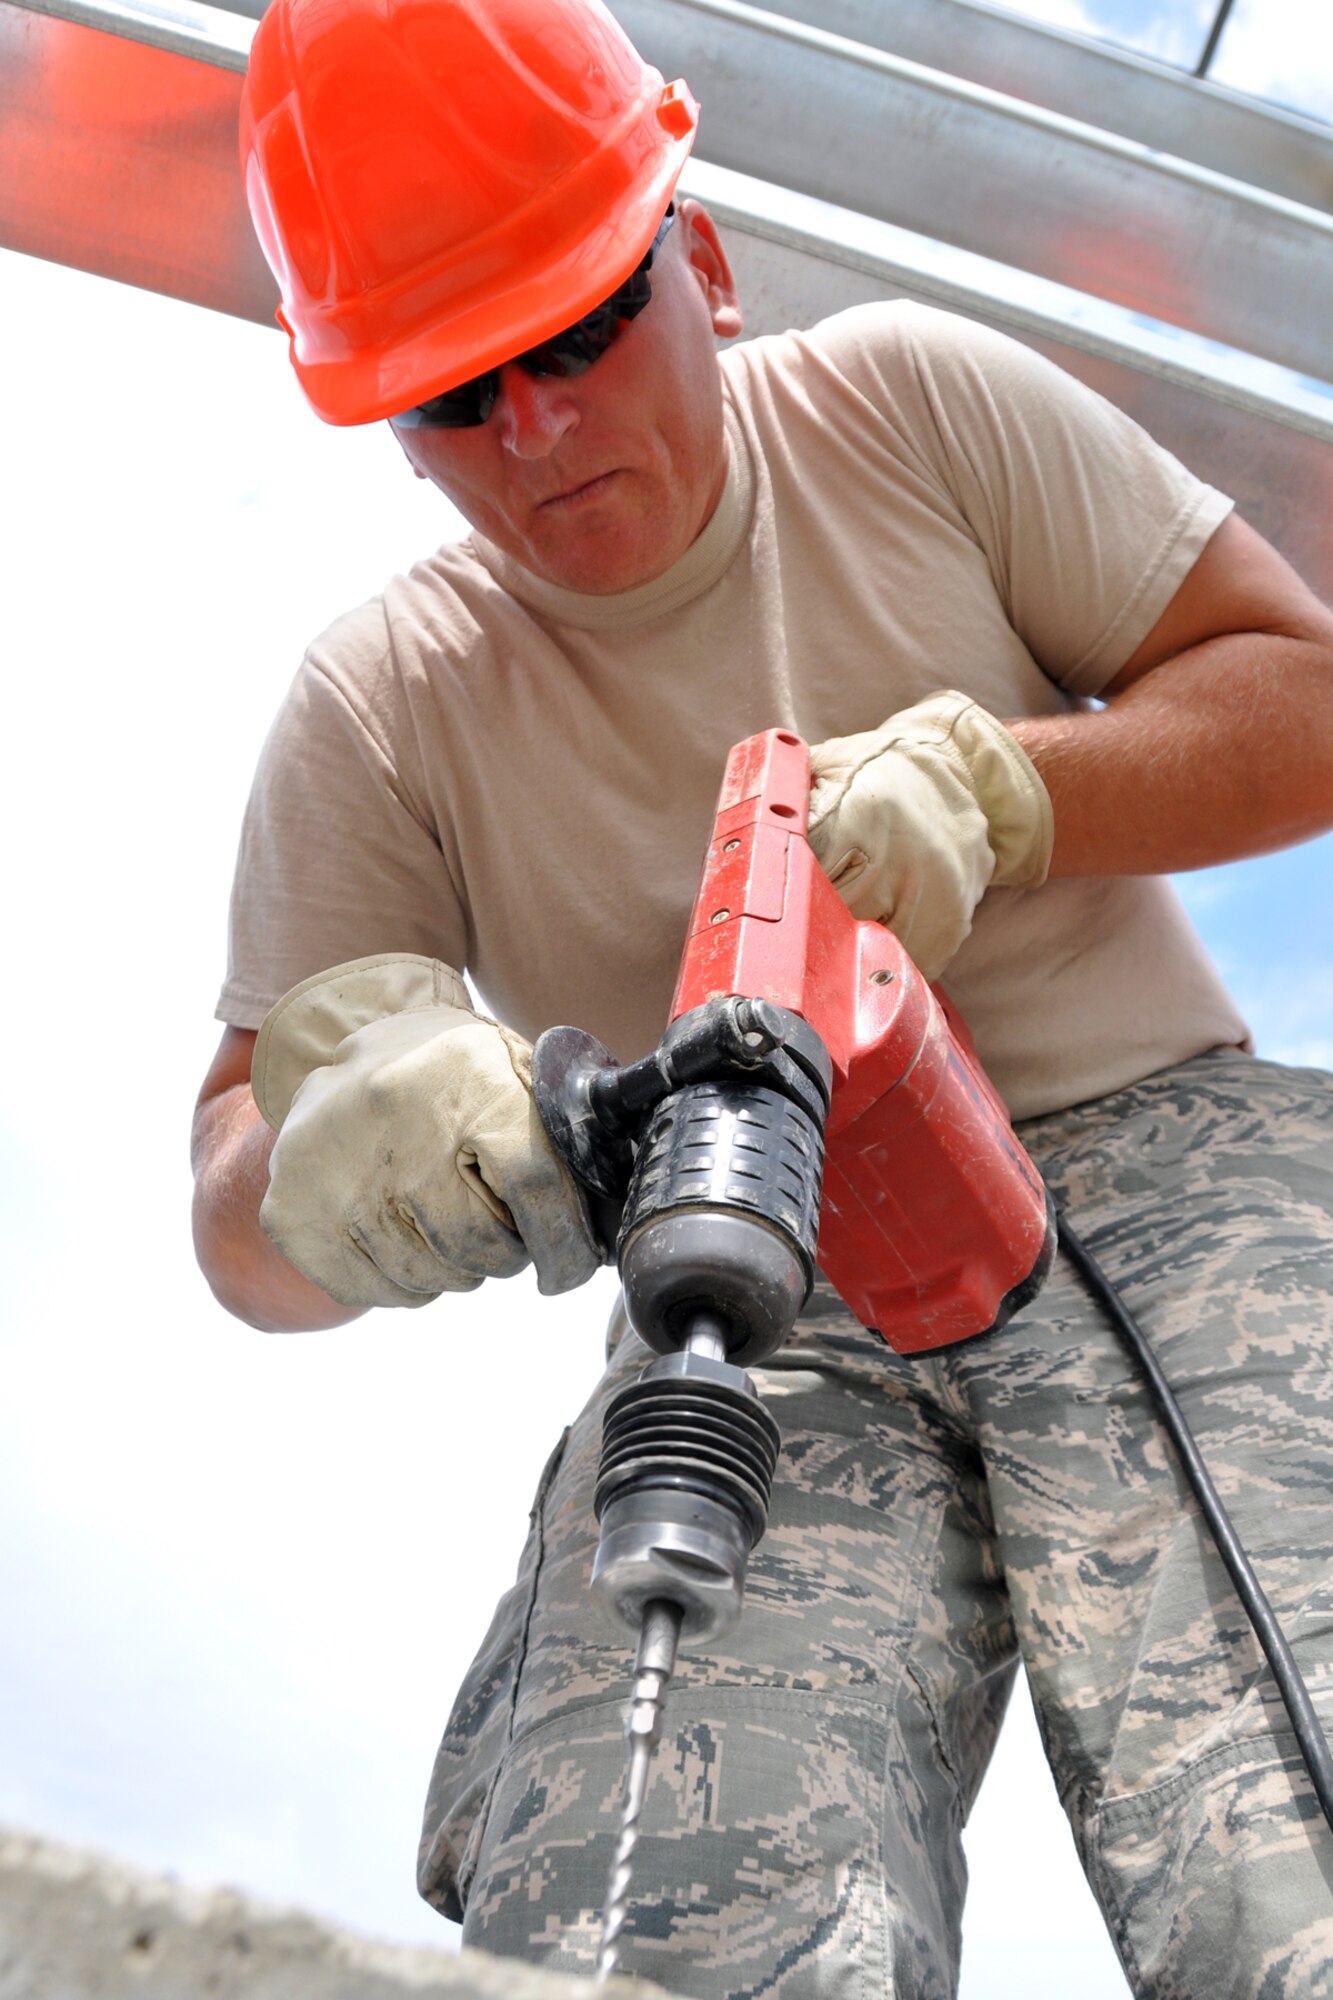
<point x="1224" y="751"/>
<point x="248" y="1275"/>
<point x="1217" y="736"/>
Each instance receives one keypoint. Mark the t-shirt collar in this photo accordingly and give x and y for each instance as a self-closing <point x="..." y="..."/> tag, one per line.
<point x="708" y="557"/>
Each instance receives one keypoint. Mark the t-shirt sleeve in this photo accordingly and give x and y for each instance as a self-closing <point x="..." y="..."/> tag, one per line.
<point x="337" y="858"/>
<point x="1089" y="526"/>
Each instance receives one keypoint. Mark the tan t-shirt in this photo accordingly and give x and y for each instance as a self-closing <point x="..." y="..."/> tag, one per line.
<point x="520" y="780"/>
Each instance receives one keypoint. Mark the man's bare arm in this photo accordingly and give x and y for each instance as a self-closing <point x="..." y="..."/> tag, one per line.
<point x="229" y="1150"/>
<point x="1217" y="737"/>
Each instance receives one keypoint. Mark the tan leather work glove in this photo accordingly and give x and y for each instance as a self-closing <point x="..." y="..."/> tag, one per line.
<point x="411" y="1159"/>
<point x="914" y="821"/>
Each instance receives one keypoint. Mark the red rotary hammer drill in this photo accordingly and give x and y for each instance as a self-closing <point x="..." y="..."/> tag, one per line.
<point x="812" y="1102"/>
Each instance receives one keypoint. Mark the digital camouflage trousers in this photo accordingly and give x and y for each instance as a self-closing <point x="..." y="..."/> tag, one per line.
<point x="934" y="1520"/>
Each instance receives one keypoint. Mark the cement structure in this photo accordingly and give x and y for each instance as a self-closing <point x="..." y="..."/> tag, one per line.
<point x="77" y="1925"/>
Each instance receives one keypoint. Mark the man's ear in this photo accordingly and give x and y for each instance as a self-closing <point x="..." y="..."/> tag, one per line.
<point x="708" y="261"/>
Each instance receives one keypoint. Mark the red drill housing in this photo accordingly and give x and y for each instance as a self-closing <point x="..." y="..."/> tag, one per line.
<point x="935" y="1224"/>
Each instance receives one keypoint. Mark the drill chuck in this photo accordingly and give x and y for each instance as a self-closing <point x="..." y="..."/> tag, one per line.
<point x="722" y="1215"/>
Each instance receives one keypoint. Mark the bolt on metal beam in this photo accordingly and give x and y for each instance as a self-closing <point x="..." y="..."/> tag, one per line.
<point x="1205" y="61"/>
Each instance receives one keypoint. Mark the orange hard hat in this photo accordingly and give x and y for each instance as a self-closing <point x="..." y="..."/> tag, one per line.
<point x="440" y="184"/>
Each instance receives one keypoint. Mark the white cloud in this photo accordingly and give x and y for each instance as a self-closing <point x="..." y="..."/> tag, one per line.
<point x="1169" y="31"/>
<point x="1280" y="49"/>
<point x="1172" y="33"/>
<point x="1289" y="1010"/>
<point x="1209" y="890"/>
<point x="1072" y="15"/>
<point x="1277" y="49"/>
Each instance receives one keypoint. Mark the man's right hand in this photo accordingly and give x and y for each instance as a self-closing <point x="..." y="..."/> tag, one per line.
<point x="410" y="1159"/>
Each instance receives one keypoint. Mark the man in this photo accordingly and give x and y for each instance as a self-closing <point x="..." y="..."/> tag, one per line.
<point x="508" y="765"/>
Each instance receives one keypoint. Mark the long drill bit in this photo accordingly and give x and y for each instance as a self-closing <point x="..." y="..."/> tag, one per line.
<point x="654" y="1664"/>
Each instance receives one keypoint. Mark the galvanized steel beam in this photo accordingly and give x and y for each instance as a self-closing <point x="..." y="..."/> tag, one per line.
<point x="118" y="148"/>
<point x="1111" y="88"/>
<point x="892" y="139"/>
<point x="1255" y="430"/>
<point x="117" y="155"/>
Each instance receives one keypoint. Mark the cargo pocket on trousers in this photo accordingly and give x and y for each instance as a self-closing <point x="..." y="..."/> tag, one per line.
<point x="480" y="1728"/>
<point x="1213" y="1880"/>
<point x="760" y="1862"/>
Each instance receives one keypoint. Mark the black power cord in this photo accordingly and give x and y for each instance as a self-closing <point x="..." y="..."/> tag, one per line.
<point x="1313" y="1743"/>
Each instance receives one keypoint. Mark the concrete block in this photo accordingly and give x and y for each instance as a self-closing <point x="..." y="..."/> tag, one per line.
<point x="76" y="1925"/>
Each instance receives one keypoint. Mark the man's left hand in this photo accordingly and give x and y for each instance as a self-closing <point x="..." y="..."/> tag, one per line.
<point x="914" y="821"/>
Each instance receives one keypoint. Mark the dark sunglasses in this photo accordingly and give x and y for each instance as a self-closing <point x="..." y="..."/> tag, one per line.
<point x="569" y="353"/>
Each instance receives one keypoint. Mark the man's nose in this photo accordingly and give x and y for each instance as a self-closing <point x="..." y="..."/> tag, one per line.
<point x="534" y="412"/>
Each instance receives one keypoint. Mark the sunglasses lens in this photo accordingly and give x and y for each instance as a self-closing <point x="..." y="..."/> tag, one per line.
<point x="565" y="354"/>
<point x="457" y="409"/>
<point x="574" y="351"/>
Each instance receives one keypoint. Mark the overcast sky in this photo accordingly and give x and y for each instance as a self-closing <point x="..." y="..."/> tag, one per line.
<point x="243" y="1575"/>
